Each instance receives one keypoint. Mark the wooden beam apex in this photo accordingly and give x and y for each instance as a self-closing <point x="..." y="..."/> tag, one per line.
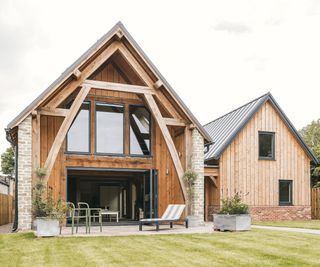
<point x="76" y="74"/>
<point x="158" y="84"/>
<point x="119" y="34"/>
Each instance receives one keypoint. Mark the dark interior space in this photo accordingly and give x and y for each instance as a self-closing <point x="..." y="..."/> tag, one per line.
<point x="131" y="193"/>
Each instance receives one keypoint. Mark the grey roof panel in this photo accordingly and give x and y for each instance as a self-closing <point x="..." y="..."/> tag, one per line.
<point x="224" y="129"/>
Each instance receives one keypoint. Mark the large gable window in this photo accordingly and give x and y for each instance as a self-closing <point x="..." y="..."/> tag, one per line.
<point x="139" y="130"/>
<point x="78" y="137"/>
<point x="109" y="129"/>
<point x="285" y="192"/>
<point x="266" y="145"/>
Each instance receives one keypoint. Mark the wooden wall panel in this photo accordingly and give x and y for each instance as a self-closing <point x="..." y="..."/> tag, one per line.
<point x="169" y="187"/>
<point x="118" y="71"/>
<point x="49" y="127"/>
<point x="257" y="180"/>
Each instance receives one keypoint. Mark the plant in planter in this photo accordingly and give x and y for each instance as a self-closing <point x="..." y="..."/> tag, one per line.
<point x="48" y="213"/>
<point x="233" y="215"/>
<point x="190" y="177"/>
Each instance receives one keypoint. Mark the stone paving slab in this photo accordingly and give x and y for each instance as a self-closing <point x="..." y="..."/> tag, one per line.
<point x="134" y="230"/>
<point x="5" y="229"/>
<point x="288" y="229"/>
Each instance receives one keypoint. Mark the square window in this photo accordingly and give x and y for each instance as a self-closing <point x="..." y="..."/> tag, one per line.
<point x="109" y="129"/>
<point x="78" y="136"/>
<point x="140" y="129"/>
<point x="285" y="192"/>
<point x="266" y="145"/>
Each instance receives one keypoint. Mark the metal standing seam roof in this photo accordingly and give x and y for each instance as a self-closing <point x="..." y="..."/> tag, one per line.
<point x="224" y="129"/>
<point x="68" y="72"/>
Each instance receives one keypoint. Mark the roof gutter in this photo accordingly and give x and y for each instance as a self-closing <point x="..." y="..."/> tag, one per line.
<point x="15" y="145"/>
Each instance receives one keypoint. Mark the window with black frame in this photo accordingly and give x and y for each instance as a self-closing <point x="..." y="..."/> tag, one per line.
<point x="140" y="124"/>
<point x="78" y="137"/>
<point x="109" y="129"/>
<point x="285" y="192"/>
<point x="266" y="145"/>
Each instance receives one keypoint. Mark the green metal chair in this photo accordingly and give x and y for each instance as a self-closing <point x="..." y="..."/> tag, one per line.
<point x="71" y="214"/>
<point x="82" y="212"/>
<point x="92" y="213"/>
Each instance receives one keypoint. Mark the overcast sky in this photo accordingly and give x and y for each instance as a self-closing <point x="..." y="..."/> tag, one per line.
<point x="217" y="55"/>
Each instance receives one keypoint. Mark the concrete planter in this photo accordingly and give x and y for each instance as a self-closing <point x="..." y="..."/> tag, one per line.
<point x="194" y="221"/>
<point x="47" y="227"/>
<point x="224" y="222"/>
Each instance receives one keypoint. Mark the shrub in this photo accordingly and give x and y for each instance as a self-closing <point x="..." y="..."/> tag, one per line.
<point x="190" y="177"/>
<point x="317" y="185"/>
<point x="41" y="172"/>
<point x="234" y="205"/>
<point x="47" y="207"/>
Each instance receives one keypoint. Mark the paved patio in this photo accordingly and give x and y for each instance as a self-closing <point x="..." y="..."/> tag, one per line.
<point x="5" y="229"/>
<point x="134" y="230"/>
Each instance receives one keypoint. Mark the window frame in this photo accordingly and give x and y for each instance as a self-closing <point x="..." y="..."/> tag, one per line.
<point x="290" y="202"/>
<point x="71" y="152"/>
<point x="150" y="133"/>
<point x="95" y="130"/>
<point x="273" y="134"/>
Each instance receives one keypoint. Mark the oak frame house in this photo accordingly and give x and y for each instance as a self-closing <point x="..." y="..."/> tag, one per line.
<point x="111" y="131"/>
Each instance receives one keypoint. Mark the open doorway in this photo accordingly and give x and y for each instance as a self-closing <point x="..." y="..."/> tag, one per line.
<point x="131" y="193"/>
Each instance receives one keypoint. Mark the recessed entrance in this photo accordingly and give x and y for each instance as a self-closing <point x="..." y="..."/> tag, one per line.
<point x="131" y="193"/>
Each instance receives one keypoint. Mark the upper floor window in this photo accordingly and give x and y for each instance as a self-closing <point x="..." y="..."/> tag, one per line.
<point x="266" y="145"/>
<point x="109" y="129"/>
<point x="139" y="130"/>
<point x="78" y="137"/>
<point x="285" y="192"/>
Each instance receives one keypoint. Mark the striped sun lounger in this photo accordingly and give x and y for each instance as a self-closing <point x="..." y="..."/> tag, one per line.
<point x="172" y="214"/>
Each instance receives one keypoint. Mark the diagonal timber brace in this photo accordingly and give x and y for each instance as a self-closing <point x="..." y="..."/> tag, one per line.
<point x="167" y="137"/>
<point x="53" y="153"/>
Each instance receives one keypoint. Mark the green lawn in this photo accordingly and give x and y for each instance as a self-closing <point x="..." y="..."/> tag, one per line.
<point x="254" y="248"/>
<point x="308" y="224"/>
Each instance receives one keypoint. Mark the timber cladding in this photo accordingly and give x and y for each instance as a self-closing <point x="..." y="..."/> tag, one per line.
<point x="258" y="180"/>
<point x="169" y="186"/>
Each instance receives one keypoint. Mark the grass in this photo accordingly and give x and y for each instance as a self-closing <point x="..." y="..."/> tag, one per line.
<point x="254" y="248"/>
<point x="307" y="224"/>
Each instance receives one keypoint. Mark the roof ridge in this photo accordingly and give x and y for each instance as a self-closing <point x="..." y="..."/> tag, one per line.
<point x="260" y="97"/>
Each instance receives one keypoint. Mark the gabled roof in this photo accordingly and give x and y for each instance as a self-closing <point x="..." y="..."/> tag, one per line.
<point x="85" y="57"/>
<point x="225" y="129"/>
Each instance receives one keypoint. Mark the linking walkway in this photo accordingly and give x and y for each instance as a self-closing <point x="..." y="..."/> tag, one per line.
<point x="288" y="229"/>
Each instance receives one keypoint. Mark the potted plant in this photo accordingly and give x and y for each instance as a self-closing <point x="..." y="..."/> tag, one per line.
<point x="233" y="215"/>
<point x="49" y="215"/>
<point x="190" y="177"/>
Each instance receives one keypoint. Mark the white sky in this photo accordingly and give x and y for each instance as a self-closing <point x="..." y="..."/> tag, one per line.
<point x="217" y="55"/>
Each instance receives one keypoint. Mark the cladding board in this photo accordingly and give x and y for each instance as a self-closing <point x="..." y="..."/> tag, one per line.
<point x="257" y="180"/>
<point x="169" y="186"/>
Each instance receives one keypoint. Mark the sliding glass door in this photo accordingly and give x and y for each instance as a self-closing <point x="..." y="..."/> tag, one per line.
<point x="150" y="194"/>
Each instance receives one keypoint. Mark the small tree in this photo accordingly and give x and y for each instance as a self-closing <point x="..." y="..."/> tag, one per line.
<point x="46" y="206"/>
<point x="190" y="177"/>
<point x="311" y="135"/>
<point x="7" y="162"/>
<point x="234" y="205"/>
<point x="41" y="172"/>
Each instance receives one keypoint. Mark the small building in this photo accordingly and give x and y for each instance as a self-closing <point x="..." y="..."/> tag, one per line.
<point x="258" y="153"/>
<point x="6" y="185"/>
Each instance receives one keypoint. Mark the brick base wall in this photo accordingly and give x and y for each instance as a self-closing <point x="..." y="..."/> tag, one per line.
<point x="280" y="213"/>
<point x="272" y="213"/>
<point x="25" y="174"/>
<point x="197" y="165"/>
